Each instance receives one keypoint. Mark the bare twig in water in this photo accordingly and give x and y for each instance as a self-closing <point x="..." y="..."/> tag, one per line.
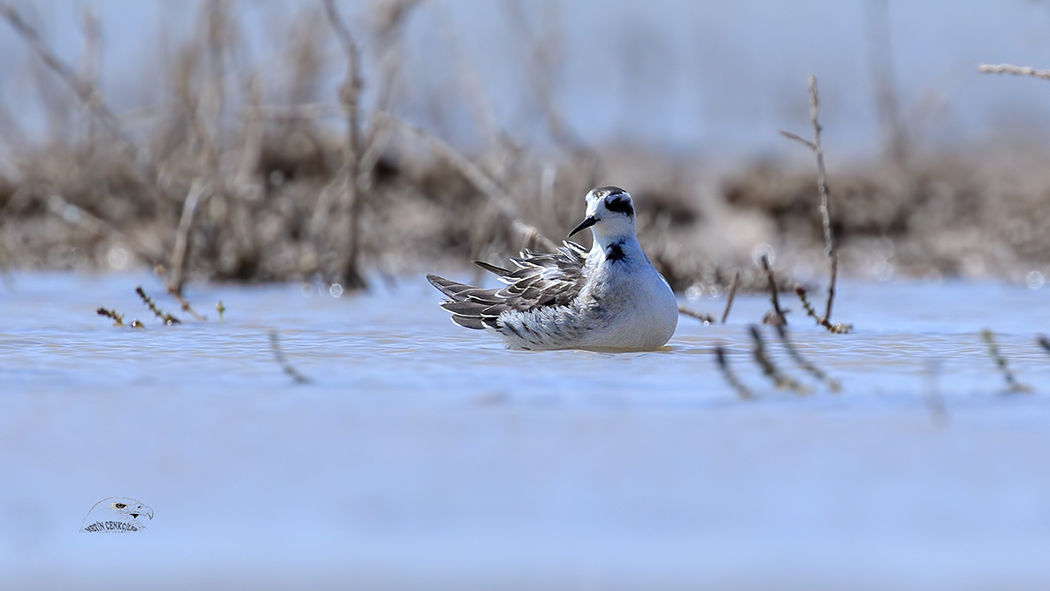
<point x="705" y="318"/>
<point x="777" y="315"/>
<point x="1013" y="386"/>
<point x="731" y="378"/>
<point x="349" y="95"/>
<point x="1015" y="70"/>
<point x="769" y="369"/>
<point x="278" y="355"/>
<point x="118" y="319"/>
<point x="833" y="385"/>
<point x="837" y="328"/>
<point x="167" y="318"/>
<point x="186" y="307"/>
<point x="822" y="186"/>
<point x="732" y="294"/>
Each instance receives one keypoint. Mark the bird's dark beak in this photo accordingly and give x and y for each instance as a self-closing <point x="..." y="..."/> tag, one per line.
<point x="587" y="223"/>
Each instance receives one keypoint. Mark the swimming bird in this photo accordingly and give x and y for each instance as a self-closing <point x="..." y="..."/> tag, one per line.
<point x="610" y="298"/>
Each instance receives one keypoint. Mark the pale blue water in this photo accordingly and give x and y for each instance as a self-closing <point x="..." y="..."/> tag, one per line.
<point x="426" y="455"/>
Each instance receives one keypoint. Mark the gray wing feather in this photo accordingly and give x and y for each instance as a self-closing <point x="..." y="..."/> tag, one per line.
<point x="541" y="280"/>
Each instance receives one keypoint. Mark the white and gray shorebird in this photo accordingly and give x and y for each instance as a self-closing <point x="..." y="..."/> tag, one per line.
<point x="608" y="299"/>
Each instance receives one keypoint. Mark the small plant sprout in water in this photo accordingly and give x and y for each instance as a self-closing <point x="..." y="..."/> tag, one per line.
<point x="1012" y="385"/>
<point x="220" y="309"/>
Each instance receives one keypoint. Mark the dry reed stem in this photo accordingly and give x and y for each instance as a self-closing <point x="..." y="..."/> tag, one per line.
<point x="86" y="92"/>
<point x="771" y="371"/>
<point x="822" y="187"/>
<point x="349" y="95"/>
<point x="777" y="316"/>
<point x="833" y="385"/>
<point x="705" y="318"/>
<point x="278" y="355"/>
<point x="732" y="294"/>
<point x="731" y="378"/>
<point x="1014" y="70"/>
<point x="198" y="191"/>
<point x="1013" y="386"/>
<point x="164" y="316"/>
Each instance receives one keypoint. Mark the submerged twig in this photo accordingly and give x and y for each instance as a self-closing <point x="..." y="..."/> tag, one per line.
<point x="118" y="319"/>
<point x="771" y="371"/>
<point x="934" y="399"/>
<point x="1043" y="342"/>
<point x="832" y="384"/>
<point x="732" y="294"/>
<point x="822" y="187"/>
<point x="1013" y="386"/>
<point x="705" y="318"/>
<point x="278" y="355"/>
<point x="730" y="377"/>
<point x="777" y="316"/>
<point x="167" y="318"/>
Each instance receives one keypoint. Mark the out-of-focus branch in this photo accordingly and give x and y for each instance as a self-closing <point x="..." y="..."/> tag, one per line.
<point x="477" y="177"/>
<point x="1014" y="70"/>
<point x="87" y="92"/>
<point x="349" y="95"/>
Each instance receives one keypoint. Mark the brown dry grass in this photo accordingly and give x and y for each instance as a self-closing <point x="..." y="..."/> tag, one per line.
<point x="287" y="191"/>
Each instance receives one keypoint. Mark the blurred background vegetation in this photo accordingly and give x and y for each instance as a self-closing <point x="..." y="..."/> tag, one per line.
<point x="340" y="142"/>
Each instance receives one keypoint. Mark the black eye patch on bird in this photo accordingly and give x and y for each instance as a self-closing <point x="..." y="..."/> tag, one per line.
<point x="620" y="205"/>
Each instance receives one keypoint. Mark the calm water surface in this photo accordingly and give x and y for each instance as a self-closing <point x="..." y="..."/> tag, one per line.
<point x="425" y="455"/>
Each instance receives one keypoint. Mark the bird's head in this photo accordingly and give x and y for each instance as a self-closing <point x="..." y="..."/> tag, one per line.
<point x="129" y="507"/>
<point x="610" y="214"/>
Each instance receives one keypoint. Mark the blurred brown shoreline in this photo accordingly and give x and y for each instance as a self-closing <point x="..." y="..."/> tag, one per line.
<point x="215" y="185"/>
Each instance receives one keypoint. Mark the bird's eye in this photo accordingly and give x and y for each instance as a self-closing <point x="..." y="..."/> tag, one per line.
<point x="620" y="205"/>
<point x="119" y="505"/>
